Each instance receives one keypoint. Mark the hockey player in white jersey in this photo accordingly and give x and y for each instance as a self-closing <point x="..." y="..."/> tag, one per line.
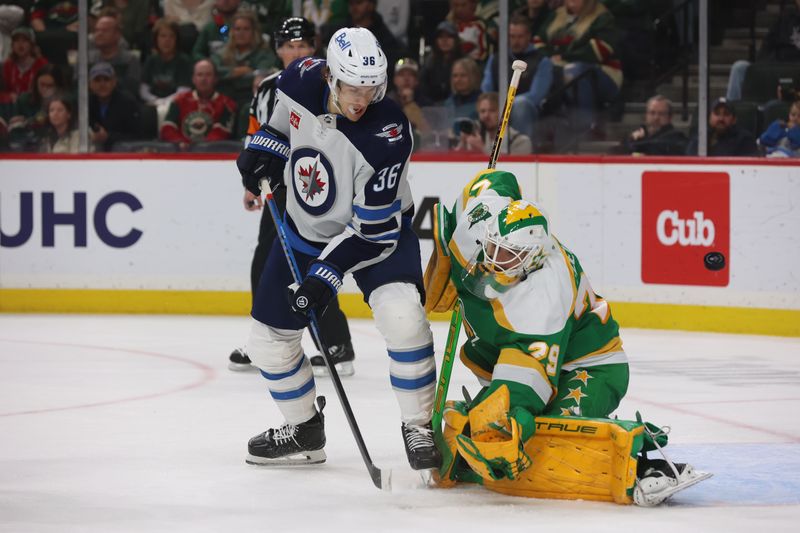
<point x="342" y="151"/>
<point x="295" y="38"/>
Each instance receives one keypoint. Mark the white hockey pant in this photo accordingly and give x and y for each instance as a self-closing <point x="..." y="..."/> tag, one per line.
<point x="400" y="318"/>
<point x="278" y="353"/>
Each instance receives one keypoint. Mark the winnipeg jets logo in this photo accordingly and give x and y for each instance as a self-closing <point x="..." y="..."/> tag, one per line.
<point x="309" y="176"/>
<point x="313" y="180"/>
<point x="392" y="132"/>
<point x="309" y="64"/>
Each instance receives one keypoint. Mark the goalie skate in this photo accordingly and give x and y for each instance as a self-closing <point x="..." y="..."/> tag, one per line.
<point x="290" y="444"/>
<point x="342" y="357"/>
<point x="658" y="481"/>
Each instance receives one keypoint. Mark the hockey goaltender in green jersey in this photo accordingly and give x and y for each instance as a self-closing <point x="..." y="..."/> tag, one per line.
<point x="548" y="354"/>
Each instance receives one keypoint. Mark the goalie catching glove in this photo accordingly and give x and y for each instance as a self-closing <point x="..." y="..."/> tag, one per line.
<point x="263" y="159"/>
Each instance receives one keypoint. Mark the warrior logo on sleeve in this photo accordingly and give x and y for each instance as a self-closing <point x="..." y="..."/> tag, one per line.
<point x="312" y="180"/>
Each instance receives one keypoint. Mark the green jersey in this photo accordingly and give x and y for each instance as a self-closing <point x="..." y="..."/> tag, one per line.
<point x="548" y="324"/>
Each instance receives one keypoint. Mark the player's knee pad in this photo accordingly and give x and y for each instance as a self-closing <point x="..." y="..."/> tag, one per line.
<point x="274" y="350"/>
<point x="399" y="316"/>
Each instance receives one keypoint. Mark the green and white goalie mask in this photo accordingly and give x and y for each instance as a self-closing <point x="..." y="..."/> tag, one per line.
<point x="515" y="244"/>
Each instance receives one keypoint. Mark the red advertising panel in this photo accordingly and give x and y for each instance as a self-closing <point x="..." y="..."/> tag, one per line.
<point x="686" y="228"/>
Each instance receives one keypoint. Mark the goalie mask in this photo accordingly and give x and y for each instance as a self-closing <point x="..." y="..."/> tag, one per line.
<point x="355" y="57"/>
<point x="515" y="244"/>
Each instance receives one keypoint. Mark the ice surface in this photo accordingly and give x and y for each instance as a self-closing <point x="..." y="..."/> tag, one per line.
<point x="134" y="423"/>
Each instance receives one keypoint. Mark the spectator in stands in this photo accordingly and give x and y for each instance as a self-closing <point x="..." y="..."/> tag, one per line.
<point x="24" y="62"/>
<point x="782" y="138"/>
<point x="407" y="94"/>
<point x="242" y="55"/>
<point x="465" y="87"/>
<point x="435" y="75"/>
<point x="215" y="34"/>
<point x="396" y="14"/>
<point x="107" y="39"/>
<point x="363" y="14"/>
<point x="61" y="135"/>
<point x="134" y="17"/>
<point x="781" y="45"/>
<point x="725" y="138"/>
<point x="537" y="13"/>
<point x="192" y="15"/>
<point x="11" y="17"/>
<point x="474" y="32"/>
<point x="581" y="37"/>
<point x="56" y="25"/>
<point x="29" y="117"/>
<point x="114" y="114"/>
<point x="324" y="12"/>
<point x="202" y="114"/>
<point x="480" y="137"/>
<point x="657" y="136"/>
<point x="270" y="13"/>
<point x="167" y="71"/>
<point x="535" y="82"/>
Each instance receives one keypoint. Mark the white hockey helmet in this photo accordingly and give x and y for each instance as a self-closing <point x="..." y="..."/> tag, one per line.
<point x="355" y="57"/>
<point x="517" y="241"/>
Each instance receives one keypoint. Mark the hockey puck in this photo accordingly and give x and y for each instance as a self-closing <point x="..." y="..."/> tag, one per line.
<point x="714" y="261"/>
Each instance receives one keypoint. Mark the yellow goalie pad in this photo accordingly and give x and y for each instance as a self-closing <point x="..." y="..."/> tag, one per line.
<point x="440" y="293"/>
<point x="577" y="458"/>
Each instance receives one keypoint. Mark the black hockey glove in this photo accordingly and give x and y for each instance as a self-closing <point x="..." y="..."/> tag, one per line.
<point x="263" y="159"/>
<point x="317" y="290"/>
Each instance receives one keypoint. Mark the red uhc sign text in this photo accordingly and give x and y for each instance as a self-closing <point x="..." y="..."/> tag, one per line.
<point x="686" y="217"/>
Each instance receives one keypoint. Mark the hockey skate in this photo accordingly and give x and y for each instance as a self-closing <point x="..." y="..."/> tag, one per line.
<point x="658" y="479"/>
<point x="290" y="444"/>
<point x="421" y="451"/>
<point x="239" y="361"/>
<point x="342" y="356"/>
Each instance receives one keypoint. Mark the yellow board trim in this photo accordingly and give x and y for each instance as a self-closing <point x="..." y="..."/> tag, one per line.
<point x="749" y="320"/>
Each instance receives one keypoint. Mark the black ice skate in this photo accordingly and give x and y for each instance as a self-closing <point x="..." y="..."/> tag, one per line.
<point x="342" y="356"/>
<point x="658" y="479"/>
<point x="239" y="361"/>
<point x="290" y="444"/>
<point x="420" y="449"/>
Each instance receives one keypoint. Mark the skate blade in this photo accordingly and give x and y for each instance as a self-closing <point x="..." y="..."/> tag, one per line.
<point x="427" y="477"/>
<point x="652" y="500"/>
<point x="302" y="458"/>
<point x="238" y="367"/>
<point x="344" y="369"/>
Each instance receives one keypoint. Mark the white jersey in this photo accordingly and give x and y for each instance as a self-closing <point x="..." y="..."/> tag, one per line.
<point x="347" y="190"/>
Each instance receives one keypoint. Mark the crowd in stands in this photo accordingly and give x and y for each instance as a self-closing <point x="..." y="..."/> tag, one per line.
<point x="180" y="74"/>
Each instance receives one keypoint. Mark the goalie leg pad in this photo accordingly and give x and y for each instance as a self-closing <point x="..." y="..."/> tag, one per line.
<point x="290" y="380"/>
<point x="578" y="458"/>
<point x="400" y="318"/>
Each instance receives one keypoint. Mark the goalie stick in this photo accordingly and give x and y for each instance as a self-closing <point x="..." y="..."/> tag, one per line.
<point x="456" y="318"/>
<point x="382" y="478"/>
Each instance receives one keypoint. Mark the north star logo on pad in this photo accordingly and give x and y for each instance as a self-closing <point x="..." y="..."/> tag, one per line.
<point x="294" y="119"/>
<point x="392" y="133"/>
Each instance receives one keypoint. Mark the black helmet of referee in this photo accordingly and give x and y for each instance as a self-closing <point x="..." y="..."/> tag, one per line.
<point x="295" y="29"/>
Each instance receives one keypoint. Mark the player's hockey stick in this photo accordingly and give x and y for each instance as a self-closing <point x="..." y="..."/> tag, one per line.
<point x="381" y="478"/>
<point x="456" y="318"/>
